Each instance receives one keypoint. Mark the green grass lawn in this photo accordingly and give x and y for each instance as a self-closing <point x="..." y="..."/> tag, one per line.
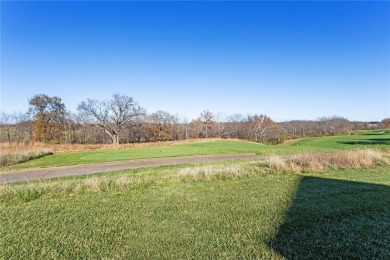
<point x="328" y="143"/>
<point x="360" y="139"/>
<point x="177" y="212"/>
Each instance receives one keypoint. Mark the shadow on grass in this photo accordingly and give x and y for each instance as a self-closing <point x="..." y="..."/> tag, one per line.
<point x="336" y="219"/>
<point x="377" y="132"/>
<point x="384" y="133"/>
<point x="374" y="141"/>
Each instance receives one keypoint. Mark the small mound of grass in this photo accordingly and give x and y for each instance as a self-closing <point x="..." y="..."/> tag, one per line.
<point x="209" y="171"/>
<point x="7" y="159"/>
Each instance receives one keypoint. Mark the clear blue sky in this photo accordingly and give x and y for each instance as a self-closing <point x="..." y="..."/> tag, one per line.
<point x="289" y="60"/>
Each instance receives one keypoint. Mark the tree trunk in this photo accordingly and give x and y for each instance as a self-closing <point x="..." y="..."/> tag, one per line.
<point x="9" y="136"/>
<point x="114" y="137"/>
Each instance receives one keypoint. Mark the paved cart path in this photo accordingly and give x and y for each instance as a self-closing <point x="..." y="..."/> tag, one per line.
<point x="54" y="172"/>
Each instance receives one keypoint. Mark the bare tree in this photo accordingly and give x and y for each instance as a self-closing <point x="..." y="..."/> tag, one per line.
<point x="235" y="122"/>
<point x="138" y="128"/>
<point x="15" y="127"/>
<point x="7" y="126"/>
<point x="257" y="125"/>
<point x="323" y="126"/>
<point x="24" y="127"/>
<point x="74" y="128"/>
<point x="334" y="125"/>
<point x="221" y="125"/>
<point x="112" y="115"/>
<point x="86" y="128"/>
<point x="208" y="120"/>
<point x="274" y="134"/>
<point x="183" y="122"/>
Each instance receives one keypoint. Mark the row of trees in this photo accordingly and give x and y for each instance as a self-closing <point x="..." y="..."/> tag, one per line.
<point x="121" y="120"/>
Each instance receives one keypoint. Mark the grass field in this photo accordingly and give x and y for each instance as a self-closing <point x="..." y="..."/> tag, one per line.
<point x="234" y="209"/>
<point x="329" y="143"/>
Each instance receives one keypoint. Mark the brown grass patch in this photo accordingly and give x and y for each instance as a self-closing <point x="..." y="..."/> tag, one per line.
<point x="276" y="163"/>
<point x="208" y="171"/>
<point x="10" y="158"/>
<point x="320" y="162"/>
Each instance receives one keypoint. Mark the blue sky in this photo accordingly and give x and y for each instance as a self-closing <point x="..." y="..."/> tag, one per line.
<point x="289" y="60"/>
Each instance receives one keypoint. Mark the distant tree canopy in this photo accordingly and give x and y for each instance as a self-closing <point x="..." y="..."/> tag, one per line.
<point x="160" y="126"/>
<point x="48" y="117"/>
<point x="257" y="126"/>
<point x="15" y="127"/>
<point x="120" y="119"/>
<point x="386" y="123"/>
<point x="113" y="114"/>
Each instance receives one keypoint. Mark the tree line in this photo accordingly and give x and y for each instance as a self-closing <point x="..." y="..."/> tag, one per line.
<point x="120" y="119"/>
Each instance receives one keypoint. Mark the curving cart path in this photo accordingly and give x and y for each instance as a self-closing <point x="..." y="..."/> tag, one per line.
<point x="54" y="172"/>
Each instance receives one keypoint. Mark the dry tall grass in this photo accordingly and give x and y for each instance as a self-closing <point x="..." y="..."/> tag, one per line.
<point x="209" y="171"/>
<point x="10" y="158"/>
<point x="320" y="162"/>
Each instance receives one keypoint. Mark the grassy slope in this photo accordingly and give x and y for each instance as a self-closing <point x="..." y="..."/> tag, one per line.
<point x="363" y="139"/>
<point x="206" y="148"/>
<point x="338" y="214"/>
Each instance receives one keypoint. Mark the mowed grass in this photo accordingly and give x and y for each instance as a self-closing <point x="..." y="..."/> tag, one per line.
<point x="376" y="138"/>
<point x="360" y="139"/>
<point x="235" y="209"/>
